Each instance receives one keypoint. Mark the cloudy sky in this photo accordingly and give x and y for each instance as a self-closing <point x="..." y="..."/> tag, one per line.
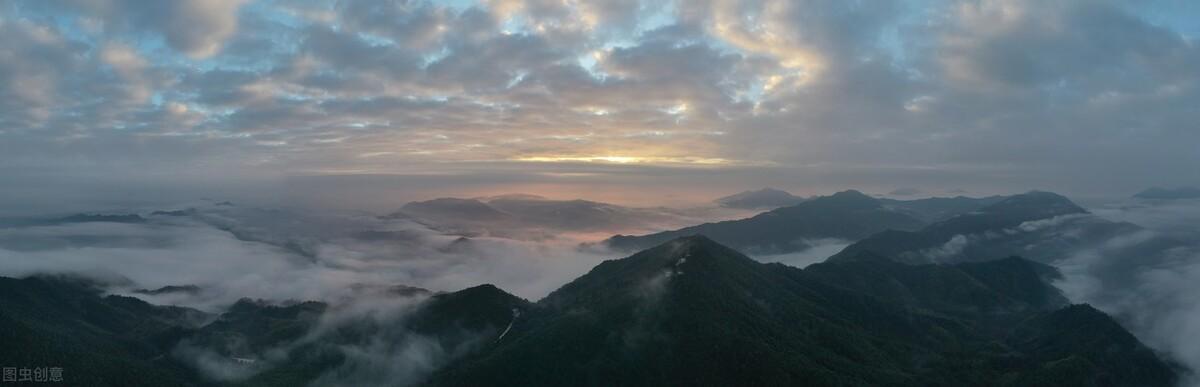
<point x="601" y="99"/>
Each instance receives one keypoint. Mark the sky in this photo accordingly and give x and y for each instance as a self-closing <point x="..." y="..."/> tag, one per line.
<point x="646" y="102"/>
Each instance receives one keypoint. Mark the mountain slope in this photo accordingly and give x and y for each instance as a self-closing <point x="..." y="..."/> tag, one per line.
<point x="687" y="312"/>
<point x="103" y="340"/>
<point x="1041" y="226"/>
<point x="693" y="312"/>
<point x="997" y="287"/>
<point x="1081" y="345"/>
<point x="847" y="215"/>
<point x="340" y="344"/>
<point x="938" y="209"/>
<point x="97" y="340"/>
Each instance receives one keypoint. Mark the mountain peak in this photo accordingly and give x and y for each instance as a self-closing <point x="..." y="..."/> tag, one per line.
<point x="684" y="256"/>
<point x="762" y="198"/>
<point x="489" y="289"/>
<point x="766" y="191"/>
<point x="677" y="251"/>
<point x="453" y="208"/>
<point x="1035" y="205"/>
<point x="847" y="199"/>
<point x="693" y="241"/>
<point x="481" y="296"/>
<point x="845" y="215"/>
<point x="516" y="196"/>
<point x="851" y="193"/>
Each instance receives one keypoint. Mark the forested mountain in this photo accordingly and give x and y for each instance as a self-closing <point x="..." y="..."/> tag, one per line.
<point x="693" y="312"/>
<point x="849" y="215"/>
<point x="1041" y="226"/>
<point x="100" y="340"/>
<point x="96" y="340"/>
<point x="687" y="312"/>
<point x="940" y="208"/>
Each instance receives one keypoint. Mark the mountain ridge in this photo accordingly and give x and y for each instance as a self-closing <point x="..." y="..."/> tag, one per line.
<point x="692" y="311"/>
<point x="848" y="215"/>
<point x="995" y="231"/>
<point x="688" y="311"/>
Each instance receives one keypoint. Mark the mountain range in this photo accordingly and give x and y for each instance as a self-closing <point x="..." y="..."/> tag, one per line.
<point x="689" y="311"/>
<point x="694" y="312"/>
<point x="1041" y="226"/>
<point x="533" y="217"/>
<point x="847" y="215"/>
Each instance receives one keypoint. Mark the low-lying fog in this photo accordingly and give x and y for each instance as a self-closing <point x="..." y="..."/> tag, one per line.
<point x="1148" y="279"/>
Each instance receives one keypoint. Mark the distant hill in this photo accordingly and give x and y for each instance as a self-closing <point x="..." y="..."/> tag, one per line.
<point x="693" y="312"/>
<point x="455" y="208"/>
<point x="70" y="219"/>
<point x="1169" y="193"/>
<point x="1031" y="224"/>
<point x="567" y="214"/>
<point x="529" y="216"/>
<point x="849" y="215"/>
<point x="766" y="198"/>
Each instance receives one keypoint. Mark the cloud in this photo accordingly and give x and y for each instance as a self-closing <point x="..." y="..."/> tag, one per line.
<point x="1145" y="275"/>
<point x="212" y="365"/>
<point x="1145" y="278"/>
<point x="279" y="256"/>
<point x="985" y="95"/>
<point x="817" y="252"/>
<point x="33" y="61"/>
<point x="381" y="350"/>
<point x="235" y="252"/>
<point x="1027" y="44"/>
<point x="905" y="192"/>
<point x="952" y="247"/>
<point x="197" y="28"/>
<point x="390" y="354"/>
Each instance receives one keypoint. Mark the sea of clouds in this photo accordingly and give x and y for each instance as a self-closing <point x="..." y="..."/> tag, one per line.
<point x="1148" y="278"/>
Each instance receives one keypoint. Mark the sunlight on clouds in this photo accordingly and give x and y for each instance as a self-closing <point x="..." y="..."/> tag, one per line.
<point x="678" y="109"/>
<point x="593" y="110"/>
<point x="765" y="35"/>
<point x="375" y="154"/>
<point x="176" y="108"/>
<point x="648" y="160"/>
<point x="376" y="87"/>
